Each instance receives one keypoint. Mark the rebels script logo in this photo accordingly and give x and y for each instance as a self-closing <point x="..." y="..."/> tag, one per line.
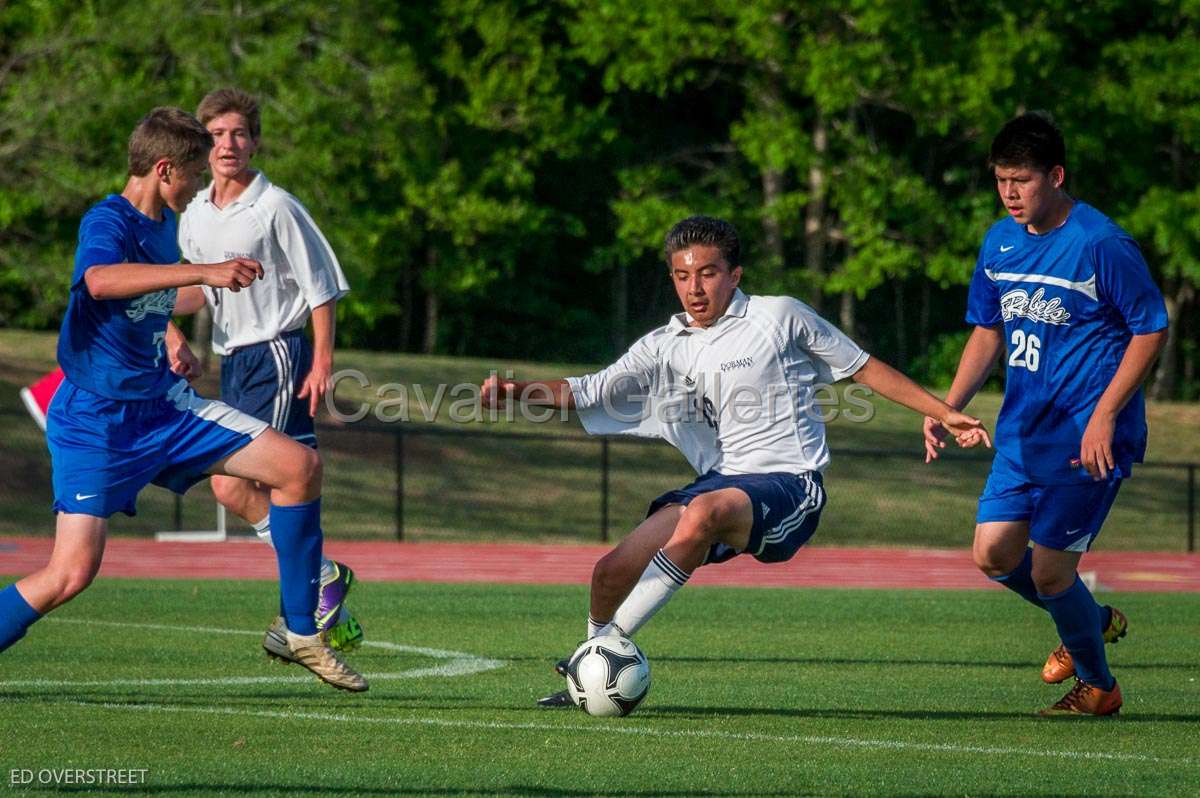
<point x="1019" y="303"/>
<point x="160" y="302"/>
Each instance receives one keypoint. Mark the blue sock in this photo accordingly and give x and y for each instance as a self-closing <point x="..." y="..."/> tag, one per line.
<point x="15" y="616"/>
<point x="296" y="532"/>
<point x="1077" y="616"/>
<point x="1020" y="580"/>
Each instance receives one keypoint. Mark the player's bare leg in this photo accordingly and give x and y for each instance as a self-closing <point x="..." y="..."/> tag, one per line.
<point x="629" y="598"/>
<point x="248" y="500"/>
<point x="615" y="574"/>
<point x="1000" y="546"/>
<point x="639" y="576"/>
<point x="293" y="474"/>
<point x="78" y="549"/>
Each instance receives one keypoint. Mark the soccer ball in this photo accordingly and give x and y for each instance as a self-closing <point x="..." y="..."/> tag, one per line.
<point x="608" y="676"/>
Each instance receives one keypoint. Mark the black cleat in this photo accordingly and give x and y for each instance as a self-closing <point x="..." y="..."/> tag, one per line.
<point x="556" y="701"/>
<point x="560" y="667"/>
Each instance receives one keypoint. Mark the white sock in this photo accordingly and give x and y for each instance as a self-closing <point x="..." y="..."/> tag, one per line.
<point x="657" y="584"/>
<point x="595" y="628"/>
<point x="263" y="529"/>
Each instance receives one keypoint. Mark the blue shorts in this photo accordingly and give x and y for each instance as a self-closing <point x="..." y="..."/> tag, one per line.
<point x="1061" y="517"/>
<point x="787" y="509"/>
<point x="104" y="451"/>
<point x="262" y="380"/>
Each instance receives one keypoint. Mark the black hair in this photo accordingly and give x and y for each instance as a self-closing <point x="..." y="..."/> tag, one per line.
<point x="707" y="232"/>
<point x="1030" y="140"/>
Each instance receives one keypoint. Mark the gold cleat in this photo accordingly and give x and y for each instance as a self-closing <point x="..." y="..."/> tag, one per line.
<point x="312" y="652"/>
<point x="1085" y="699"/>
<point x="1059" y="666"/>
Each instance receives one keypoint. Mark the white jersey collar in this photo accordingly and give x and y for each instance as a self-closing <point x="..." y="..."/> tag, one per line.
<point x="248" y="196"/>
<point x="738" y="305"/>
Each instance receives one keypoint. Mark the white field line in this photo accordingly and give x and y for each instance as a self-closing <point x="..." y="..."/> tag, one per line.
<point x="456" y="663"/>
<point x="645" y="731"/>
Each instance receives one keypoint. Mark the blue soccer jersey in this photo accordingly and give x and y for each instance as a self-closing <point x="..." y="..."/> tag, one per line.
<point x="1069" y="300"/>
<point x="115" y="347"/>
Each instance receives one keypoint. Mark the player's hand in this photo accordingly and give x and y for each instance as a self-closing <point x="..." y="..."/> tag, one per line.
<point x="317" y="384"/>
<point x="1095" y="449"/>
<point x="233" y="274"/>
<point x="494" y="392"/>
<point x="935" y="438"/>
<point x="184" y="363"/>
<point x="968" y="431"/>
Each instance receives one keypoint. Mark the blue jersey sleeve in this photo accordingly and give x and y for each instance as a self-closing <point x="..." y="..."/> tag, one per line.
<point x="983" y="300"/>
<point x="1123" y="280"/>
<point x="101" y="242"/>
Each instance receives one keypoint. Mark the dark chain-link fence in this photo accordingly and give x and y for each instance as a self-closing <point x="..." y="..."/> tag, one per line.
<point x="421" y="482"/>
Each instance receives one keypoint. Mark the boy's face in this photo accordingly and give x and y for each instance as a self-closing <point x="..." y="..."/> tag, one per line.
<point x="178" y="184"/>
<point x="704" y="282"/>
<point x="1028" y="193"/>
<point x="233" y="145"/>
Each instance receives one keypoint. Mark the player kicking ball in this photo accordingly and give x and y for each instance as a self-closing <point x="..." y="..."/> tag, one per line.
<point x="269" y="369"/>
<point x="732" y="382"/>
<point x="123" y="418"/>
<point x="1065" y="294"/>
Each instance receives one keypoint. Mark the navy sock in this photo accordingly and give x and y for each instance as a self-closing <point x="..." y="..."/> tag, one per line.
<point x="1077" y="616"/>
<point x="1020" y="580"/>
<point x="15" y="616"/>
<point x="296" y="533"/>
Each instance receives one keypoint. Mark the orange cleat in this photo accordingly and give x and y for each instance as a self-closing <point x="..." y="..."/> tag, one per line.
<point x="1085" y="699"/>
<point x="1059" y="666"/>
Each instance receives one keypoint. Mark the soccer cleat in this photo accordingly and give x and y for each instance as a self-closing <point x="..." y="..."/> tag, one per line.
<point x="1059" y="666"/>
<point x="311" y="652"/>
<point x="347" y="634"/>
<point x="556" y="700"/>
<point x="1085" y="699"/>
<point x="562" y="698"/>
<point x="333" y="594"/>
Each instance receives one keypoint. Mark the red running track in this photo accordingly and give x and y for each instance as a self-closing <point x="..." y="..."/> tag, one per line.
<point x="520" y="563"/>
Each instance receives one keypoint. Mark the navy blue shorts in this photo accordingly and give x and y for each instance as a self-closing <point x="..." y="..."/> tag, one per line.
<point x="104" y="451"/>
<point x="1061" y="517"/>
<point x="262" y="380"/>
<point x="787" y="509"/>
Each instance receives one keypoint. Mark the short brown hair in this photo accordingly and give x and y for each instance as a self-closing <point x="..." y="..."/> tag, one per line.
<point x="169" y="133"/>
<point x="225" y="101"/>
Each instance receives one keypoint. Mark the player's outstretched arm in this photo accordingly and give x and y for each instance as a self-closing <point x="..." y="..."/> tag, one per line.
<point x="124" y="280"/>
<point x="891" y="384"/>
<point x="496" y="393"/>
<point x="976" y="363"/>
<point x="1095" y="448"/>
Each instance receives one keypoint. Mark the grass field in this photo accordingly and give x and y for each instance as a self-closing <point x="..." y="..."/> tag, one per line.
<point x="498" y="483"/>
<point x="756" y="692"/>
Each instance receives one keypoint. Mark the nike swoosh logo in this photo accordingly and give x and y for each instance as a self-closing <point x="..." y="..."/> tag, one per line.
<point x="1006" y="249"/>
<point x="80" y="497"/>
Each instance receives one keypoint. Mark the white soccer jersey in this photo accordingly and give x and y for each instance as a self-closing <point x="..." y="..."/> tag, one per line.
<point x="738" y="397"/>
<point x="271" y="226"/>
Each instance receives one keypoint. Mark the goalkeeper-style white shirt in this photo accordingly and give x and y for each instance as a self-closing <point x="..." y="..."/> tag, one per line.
<point x="270" y="225"/>
<point x="738" y="397"/>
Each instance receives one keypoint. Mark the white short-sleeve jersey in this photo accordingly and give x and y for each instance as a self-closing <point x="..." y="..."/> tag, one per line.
<point x="270" y="225"/>
<point x="738" y="397"/>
